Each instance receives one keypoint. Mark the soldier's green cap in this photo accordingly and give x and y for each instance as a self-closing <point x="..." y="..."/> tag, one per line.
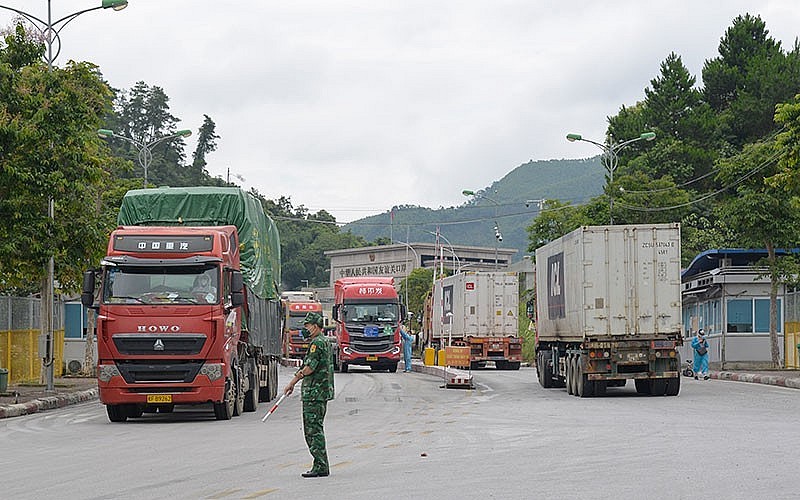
<point x="314" y="319"/>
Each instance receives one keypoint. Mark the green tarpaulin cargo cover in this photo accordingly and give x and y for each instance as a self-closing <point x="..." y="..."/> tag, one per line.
<point x="214" y="206"/>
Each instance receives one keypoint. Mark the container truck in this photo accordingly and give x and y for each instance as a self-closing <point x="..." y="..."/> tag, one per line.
<point x="608" y="309"/>
<point x="478" y="310"/>
<point x="295" y="346"/>
<point x="368" y="314"/>
<point x="162" y="339"/>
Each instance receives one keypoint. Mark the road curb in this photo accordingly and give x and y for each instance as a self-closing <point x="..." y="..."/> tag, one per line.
<point x="752" y="378"/>
<point x="47" y="403"/>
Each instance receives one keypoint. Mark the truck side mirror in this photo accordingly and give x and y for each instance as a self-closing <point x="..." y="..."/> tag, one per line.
<point x="87" y="290"/>
<point x="335" y="313"/>
<point x="403" y="313"/>
<point x="237" y="289"/>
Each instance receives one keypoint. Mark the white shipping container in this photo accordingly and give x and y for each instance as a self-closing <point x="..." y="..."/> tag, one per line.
<point x="481" y="304"/>
<point x="609" y="281"/>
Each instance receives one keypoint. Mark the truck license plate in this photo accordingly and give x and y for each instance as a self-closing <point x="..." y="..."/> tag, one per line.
<point x="372" y="358"/>
<point x="159" y="398"/>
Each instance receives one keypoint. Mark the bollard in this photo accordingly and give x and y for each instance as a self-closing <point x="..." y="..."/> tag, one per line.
<point x="3" y="380"/>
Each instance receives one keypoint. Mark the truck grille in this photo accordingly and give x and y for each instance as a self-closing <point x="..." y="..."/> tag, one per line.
<point x="368" y="344"/>
<point x="159" y="371"/>
<point x="174" y="344"/>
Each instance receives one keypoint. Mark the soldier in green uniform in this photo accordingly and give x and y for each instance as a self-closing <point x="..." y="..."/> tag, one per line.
<point x="317" y="390"/>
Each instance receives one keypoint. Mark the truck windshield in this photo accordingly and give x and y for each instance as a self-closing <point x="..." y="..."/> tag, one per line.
<point x="381" y="312"/>
<point x="296" y="322"/>
<point x="161" y="284"/>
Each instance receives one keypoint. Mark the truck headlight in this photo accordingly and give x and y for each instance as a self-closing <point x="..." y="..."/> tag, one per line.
<point x="212" y="370"/>
<point x="107" y="372"/>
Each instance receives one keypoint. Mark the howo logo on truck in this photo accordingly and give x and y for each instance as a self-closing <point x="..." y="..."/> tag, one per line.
<point x="158" y="328"/>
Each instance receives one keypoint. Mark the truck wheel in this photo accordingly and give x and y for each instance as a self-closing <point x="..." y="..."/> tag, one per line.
<point x="393" y="368"/>
<point x="224" y="409"/>
<point x="238" y="408"/>
<point x="343" y="367"/>
<point x="658" y="386"/>
<point x="548" y="375"/>
<point x="673" y="386"/>
<point x="117" y="413"/>
<point x="600" y="388"/>
<point x="500" y="365"/>
<point x="642" y="385"/>
<point x="512" y="365"/>
<point x="250" y="395"/>
<point x="585" y="387"/>
<point x="570" y="377"/>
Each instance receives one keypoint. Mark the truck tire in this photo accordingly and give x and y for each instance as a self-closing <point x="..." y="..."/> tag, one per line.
<point x="600" y="388"/>
<point x="500" y="365"/>
<point x="658" y="386"/>
<point x="585" y="387"/>
<point x="238" y="407"/>
<point x="224" y="409"/>
<point x="513" y="365"/>
<point x="343" y="367"/>
<point x="570" y="377"/>
<point x="642" y="385"/>
<point x="393" y="368"/>
<point x="673" y="386"/>
<point x="251" y="394"/>
<point x="546" y="371"/>
<point x="117" y="413"/>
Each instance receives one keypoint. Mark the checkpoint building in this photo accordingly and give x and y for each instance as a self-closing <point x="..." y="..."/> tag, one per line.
<point x="398" y="260"/>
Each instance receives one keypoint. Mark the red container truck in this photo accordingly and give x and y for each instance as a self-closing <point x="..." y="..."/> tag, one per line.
<point x="295" y="346"/>
<point x="368" y="314"/>
<point x="188" y="310"/>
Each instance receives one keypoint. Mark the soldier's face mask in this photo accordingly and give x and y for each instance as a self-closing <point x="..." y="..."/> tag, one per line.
<point x="304" y="333"/>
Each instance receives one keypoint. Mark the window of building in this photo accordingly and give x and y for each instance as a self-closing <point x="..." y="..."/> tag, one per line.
<point x="751" y="315"/>
<point x="740" y="315"/>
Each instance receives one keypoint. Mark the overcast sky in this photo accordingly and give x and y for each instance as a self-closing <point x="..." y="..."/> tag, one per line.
<point x="356" y="106"/>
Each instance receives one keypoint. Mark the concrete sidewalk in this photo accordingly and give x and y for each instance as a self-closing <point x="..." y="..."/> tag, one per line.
<point x="25" y="400"/>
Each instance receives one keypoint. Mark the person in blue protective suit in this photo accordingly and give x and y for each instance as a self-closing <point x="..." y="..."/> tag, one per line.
<point x="700" y="347"/>
<point x="408" y="341"/>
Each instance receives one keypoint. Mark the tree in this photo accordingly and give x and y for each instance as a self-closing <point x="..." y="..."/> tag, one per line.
<point x="206" y="143"/>
<point x="418" y="285"/>
<point x="49" y="149"/>
<point x="761" y="215"/>
<point x="751" y="75"/>
<point x="554" y="220"/>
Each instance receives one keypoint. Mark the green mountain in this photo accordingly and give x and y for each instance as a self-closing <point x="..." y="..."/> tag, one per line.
<point x="516" y="196"/>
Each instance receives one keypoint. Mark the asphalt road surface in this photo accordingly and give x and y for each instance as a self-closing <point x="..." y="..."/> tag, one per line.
<point x="403" y="436"/>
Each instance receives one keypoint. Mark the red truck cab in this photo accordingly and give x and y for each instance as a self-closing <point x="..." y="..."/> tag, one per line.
<point x="368" y="313"/>
<point x="169" y="320"/>
<point x="294" y="344"/>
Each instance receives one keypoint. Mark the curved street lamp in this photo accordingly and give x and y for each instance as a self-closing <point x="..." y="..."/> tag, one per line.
<point x="451" y="250"/>
<point x="144" y="149"/>
<point x="498" y="236"/>
<point x="611" y="156"/>
<point x="49" y="30"/>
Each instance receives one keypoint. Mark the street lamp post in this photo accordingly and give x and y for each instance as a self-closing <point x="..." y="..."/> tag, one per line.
<point x="144" y="149"/>
<point x="452" y="250"/>
<point x="408" y="271"/>
<point x="50" y="30"/>
<point x="498" y="236"/>
<point x="611" y="157"/>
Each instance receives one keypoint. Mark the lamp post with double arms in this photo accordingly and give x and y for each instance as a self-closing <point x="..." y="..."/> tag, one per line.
<point x="611" y="159"/>
<point x="145" y="155"/>
<point x="498" y="236"/>
<point x="50" y="31"/>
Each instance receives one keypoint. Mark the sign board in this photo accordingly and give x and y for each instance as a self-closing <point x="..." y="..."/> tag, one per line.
<point x="457" y="356"/>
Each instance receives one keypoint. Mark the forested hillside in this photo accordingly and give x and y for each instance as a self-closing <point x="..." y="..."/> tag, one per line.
<point x="517" y="195"/>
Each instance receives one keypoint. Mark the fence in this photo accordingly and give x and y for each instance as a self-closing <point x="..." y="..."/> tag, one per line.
<point x="20" y="329"/>
<point x="791" y="330"/>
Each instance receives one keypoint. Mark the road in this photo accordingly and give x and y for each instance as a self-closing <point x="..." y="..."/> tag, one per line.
<point x="402" y="436"/>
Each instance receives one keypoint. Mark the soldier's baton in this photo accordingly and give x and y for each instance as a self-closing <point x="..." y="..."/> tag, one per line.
<point x="273" y="408"/>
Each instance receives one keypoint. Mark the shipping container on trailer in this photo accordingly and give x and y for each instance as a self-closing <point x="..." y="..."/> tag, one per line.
<point x="608" y="309"/>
